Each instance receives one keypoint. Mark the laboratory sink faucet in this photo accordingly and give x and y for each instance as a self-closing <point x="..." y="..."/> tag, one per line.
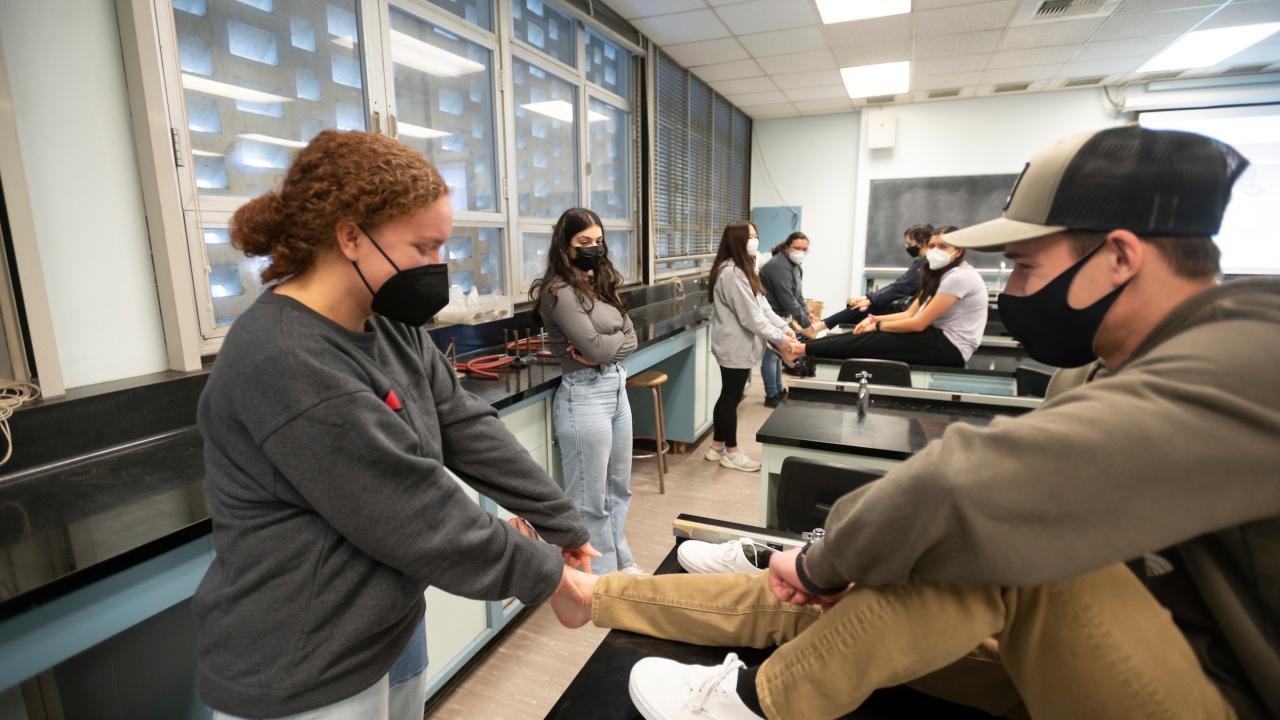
<point x="864" y="393"/>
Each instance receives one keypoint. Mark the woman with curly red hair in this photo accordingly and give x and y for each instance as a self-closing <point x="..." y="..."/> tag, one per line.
<point x="329" y="420"/>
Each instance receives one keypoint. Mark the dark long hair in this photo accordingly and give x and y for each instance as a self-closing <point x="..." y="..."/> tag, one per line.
<point x="733" y="246"/>
<point x="930" y="279"/>
<point x="600" y="285"/>
<point x="797" y="235"/>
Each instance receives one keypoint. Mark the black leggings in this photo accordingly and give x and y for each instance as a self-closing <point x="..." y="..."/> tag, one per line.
<point x="733" y="381"/>
<point x="928" y="347"/>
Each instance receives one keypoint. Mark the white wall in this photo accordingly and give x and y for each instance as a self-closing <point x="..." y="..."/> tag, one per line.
<point x="72" y="115"/>
<point x="823" y="165"/>
<point x="811" y="162"/>
<point x="976" y="136"/>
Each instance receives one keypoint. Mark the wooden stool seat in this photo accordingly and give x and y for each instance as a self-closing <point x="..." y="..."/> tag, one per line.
<point x="653" y="380"/>
<point x="647" y="379"/>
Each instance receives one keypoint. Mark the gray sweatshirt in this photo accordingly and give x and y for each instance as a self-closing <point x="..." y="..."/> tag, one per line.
<point x="741" y="321"/>
<point x="325" y="454"/>
<point x="1176" y="452"/>
<point x="598" y="330"/>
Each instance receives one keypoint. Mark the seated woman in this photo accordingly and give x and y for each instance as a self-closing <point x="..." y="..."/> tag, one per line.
<point x="942" y="326"/>
<point x="892" y="298"/>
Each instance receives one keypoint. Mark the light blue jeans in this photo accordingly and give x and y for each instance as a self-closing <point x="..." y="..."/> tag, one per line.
<point x="771" y="371"/>
<point x="401" y="694"/>
<point x="593" y="428"/>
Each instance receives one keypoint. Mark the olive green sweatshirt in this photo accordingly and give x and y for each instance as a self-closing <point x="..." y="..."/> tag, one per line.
<point x="1177" y="452"/>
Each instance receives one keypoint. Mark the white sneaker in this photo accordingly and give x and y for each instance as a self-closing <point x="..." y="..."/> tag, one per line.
<point x="713" y="454"/>
<point x="664" y="689"/>
<point x="696" y="556"/>
<point x="633" y="569"/>
<point x="739" y="461"/>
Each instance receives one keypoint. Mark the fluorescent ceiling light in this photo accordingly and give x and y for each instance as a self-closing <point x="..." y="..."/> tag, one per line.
<point x="1203" y="48"/>
<point x="417" y="131"/>
<point x="226" y="90"/>
<point x="870" y="80"/>
<point x="838" y="11"/>
<point x="204" y="153"/>
<point x="412" y="52"/>
<point x="561" y="110"/>
<point x="273" y="140"/>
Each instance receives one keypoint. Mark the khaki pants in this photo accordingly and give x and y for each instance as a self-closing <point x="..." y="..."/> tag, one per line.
<point x="1097" y="646"/>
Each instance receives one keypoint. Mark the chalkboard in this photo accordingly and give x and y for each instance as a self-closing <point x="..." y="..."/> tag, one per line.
<point x="899" y="203"/>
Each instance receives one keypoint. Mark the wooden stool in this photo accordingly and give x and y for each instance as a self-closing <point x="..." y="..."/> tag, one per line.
<point x="654" y="379"/>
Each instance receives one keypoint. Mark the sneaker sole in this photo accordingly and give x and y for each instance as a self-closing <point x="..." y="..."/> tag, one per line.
<point x="731" y="466"/>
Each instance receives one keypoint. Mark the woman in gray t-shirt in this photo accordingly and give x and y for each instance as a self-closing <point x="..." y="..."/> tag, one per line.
<point x="942" y="326"/>
<point x="591" y="334"/>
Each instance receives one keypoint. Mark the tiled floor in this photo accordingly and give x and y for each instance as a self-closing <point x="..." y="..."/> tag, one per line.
<point x="525" y="674"/>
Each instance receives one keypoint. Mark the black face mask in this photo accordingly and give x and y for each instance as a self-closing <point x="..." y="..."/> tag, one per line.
<point x="588" y="258"/>
<point x="1052" y="331"/>
<point x="913" y="250"/>
<point x="411" y="296"/>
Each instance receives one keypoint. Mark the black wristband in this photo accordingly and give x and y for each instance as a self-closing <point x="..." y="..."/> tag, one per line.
<point x="878" y="325"/>
<point x="809" y="586"/>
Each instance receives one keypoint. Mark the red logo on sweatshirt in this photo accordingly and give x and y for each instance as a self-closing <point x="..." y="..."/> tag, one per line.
<point x="392" y="401"/>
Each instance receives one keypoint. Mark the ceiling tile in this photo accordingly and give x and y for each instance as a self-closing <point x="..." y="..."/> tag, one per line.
<point x="745" y="85"/>
<point x="729" y="71"/>
<point x="720" y="3"/>
<point x="632" y="9"/>
<point x="881" y="29"/>
<point x="1113" y="66"/>
<point x="759" y="98"/>
<point x="1130" y="7"/>
<point x="784" y="41"/>
<point x="1108" y="49"/>
<point x="967" y="18"/>
<point x="815" y="78"/>
<point x="707" y="53"/>
<point x="818" y="93"/>
<point x="1243" y="14"/>
<point x="872" y="53"/>
<point x="798" y="62"/>
<point x="959" y="63"/>
<point x="1145" y="25"/>
<point x="1059" y="33"/>
<point x="767" y="15"/>
<point x="1256" y="55"/>
<point x="1019" y="74"/>
<point x="958" y="44"/>
<point x="818" y="107"/>
<point x="936" y="4"/>
<point x="682" y="27"/>
<point x="1032" y="56"/>
<point x="949" y="80"/>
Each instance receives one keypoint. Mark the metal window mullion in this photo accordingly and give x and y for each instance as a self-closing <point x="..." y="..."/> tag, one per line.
<point x="510" y="192"/>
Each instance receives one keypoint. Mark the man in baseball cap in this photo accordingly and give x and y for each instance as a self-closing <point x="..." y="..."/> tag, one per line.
<point x="1121" y="543"/>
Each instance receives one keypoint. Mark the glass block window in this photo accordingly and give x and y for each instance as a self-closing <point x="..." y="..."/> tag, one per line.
<point x="542" y="26"/>
<point x="535" y="254"/>
<point x="233" y="278"/>
<point x="546" y="141"/>
<point x="475" y="257"/>
<point x="476" y="12"/>
<point x="609" y="153"/>
<point x="444" y="107"/>
<point x="607" y="65"/>
<point x="259" y="80"/>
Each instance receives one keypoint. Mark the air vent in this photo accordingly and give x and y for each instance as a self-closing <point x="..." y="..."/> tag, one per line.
<point x="1157" y="76"/>
<point x="1012" y="87"/>
<point x="1083" y="82"/>
<point x="1246" y="69"/>
<point x="881" y="99"/>
<point x="952" y="92"/>
<point x="1037" y="12"/>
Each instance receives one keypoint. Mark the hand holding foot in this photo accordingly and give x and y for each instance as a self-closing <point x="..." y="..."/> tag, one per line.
<point x="571" y="601"/>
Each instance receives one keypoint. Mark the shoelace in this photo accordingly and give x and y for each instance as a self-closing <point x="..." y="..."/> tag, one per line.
<point x="708" y="687"/>
<point x="730" y="551"/>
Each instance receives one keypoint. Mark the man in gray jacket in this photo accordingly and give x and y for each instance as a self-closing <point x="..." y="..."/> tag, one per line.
<point x="1164" y="453"/>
